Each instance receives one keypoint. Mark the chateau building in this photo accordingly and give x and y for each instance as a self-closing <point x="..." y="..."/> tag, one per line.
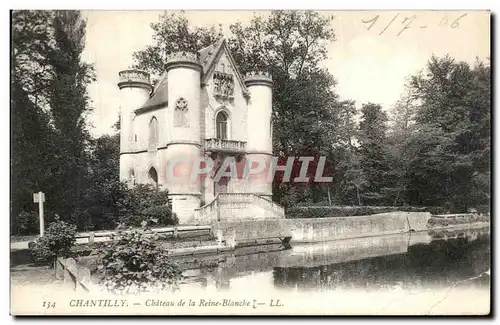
<point x="200" y="106"/>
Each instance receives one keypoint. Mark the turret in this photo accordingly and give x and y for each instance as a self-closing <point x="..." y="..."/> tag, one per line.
<point x="184" y="75"/>
<point x="184" y="139"/>
<point x="135" y="89"/>
<point x="260" y="88"/>
<point x="259" y="145"/>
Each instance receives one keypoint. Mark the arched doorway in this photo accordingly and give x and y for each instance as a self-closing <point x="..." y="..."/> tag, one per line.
<point x="153" y="177"/>
<point x="220" y="185"/>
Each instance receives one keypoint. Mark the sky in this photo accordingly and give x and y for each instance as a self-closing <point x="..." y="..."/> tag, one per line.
<point x="373" y="54"/>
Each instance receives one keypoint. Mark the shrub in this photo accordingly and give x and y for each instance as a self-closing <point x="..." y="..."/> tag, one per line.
<point x="145" y="203"/>
<point x="159" y="214"/>
<point x="56" y="242"/>
<point x="134" y="262"/>
<point x="349" y="211"/>
<point x="25" y="223"/>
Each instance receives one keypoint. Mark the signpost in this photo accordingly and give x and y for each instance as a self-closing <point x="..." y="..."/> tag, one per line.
<point x="40" y="198"/>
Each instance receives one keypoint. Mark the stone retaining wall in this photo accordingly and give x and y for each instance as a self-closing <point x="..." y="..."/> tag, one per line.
<point x="323" y="229"/>
<point x="249" y="230"/>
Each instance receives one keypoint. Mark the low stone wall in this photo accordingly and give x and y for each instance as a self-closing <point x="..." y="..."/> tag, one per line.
<point x="238" y="206"/>
<point x="249" y="230"/>
<point x="323" y="229"/>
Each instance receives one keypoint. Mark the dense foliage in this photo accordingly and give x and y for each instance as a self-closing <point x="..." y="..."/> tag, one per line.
<point x="134" y="262"/>
<point x="52" y="150"/>
<point x="49" y="102"/>
<point x="56" y="242"/>
<point x="350" y="211"/>
<point x="144" y="203"/>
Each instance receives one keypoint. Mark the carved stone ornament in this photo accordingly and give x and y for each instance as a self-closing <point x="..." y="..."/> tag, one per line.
<point x="180" y="113"/>
<point x="223" y="85"/>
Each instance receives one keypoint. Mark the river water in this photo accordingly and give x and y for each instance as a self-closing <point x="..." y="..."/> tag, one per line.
<point x="428" y="263"/>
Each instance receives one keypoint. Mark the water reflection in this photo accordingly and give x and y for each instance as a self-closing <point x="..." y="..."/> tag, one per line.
<point x="416" y="260"/>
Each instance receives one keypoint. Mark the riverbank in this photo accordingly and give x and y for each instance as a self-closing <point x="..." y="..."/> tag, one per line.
<point x="399" y="270"/>
<point x="227" y="236"/>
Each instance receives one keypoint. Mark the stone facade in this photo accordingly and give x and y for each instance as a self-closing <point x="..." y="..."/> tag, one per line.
<point x="200" y="107"/>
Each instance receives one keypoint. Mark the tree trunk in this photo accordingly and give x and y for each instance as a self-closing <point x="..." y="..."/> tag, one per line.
<point x="359" y="197"/>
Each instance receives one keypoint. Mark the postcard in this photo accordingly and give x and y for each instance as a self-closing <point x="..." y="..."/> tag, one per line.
<point x="285" y="162"/>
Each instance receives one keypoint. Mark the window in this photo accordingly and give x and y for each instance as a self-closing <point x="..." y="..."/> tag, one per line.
<point x="153" y="133"/>
<point x="131" y="175"/>
<point x="153" y="176"/>
<point x="221" y="125"/>
<point x="180" y="113"/>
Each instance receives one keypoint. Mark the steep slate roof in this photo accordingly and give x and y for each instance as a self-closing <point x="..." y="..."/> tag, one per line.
<point x="159" y="96"/>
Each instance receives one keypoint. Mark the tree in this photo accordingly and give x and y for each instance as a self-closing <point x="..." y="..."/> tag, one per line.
<point x="49" y="105"/>
<point x="291" y="45"/>
<point x="170" y="34"/>
<point x="452" y="137"/>
<point x="402" y="126"/>
<point x="69" y="103"/>
<point x="99" y="206"/>
<point x="373" y="152"/>
<point x="30" y="51"/>
<point x="32" y="134"/>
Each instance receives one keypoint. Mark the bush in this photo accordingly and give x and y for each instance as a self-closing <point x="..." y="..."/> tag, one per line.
<point x="145" y="203"/>
<point x="56" y="242"/>
<point x="25" y="223"/>
<point x="470" y="218"/>
<point x="349" y="211"/>
<point x="134" y="262"/>
<point x="159" y="214"/>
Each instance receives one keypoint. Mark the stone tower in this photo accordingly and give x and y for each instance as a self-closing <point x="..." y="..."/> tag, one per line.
<point x="135" y="88"/>
<point x="259" y="128"/>
<point x="184" y="138"/>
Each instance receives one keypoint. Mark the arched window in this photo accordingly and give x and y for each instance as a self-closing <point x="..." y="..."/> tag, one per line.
<point x="153" y="176"/>
<point x="131" y="176"/>
<point x="221" y="125"/>
<point x="180" y="113"/>
<point x="153" y="133"/>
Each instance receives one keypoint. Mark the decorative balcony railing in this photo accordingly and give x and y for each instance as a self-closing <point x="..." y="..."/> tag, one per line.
<point x="225" y="145"/>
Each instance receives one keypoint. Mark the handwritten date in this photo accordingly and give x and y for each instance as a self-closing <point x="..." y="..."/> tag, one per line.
<point x="404" y="23"/>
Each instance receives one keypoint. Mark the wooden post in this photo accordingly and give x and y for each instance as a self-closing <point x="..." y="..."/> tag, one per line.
<point x="59" y="269"/>
<point x="40" y="198"/>
<point x="83" y="281"/>
<point x="71" y="274"/>
<point x="91" y="237"/>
